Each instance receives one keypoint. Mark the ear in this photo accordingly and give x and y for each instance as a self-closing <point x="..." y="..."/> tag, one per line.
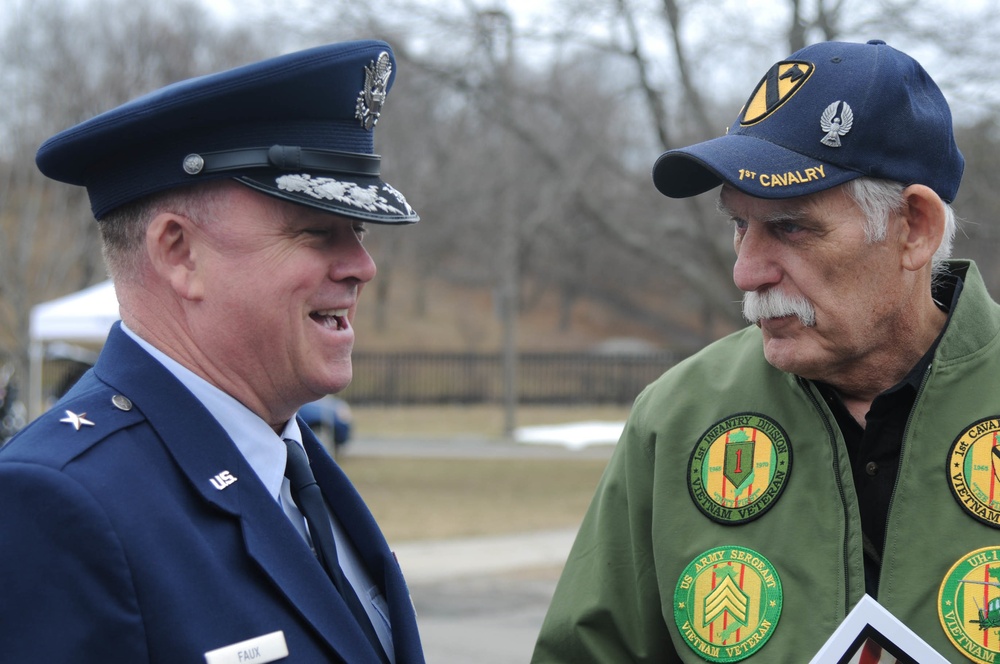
<point x="171" y="242"/>
<point x="922" y="219"/>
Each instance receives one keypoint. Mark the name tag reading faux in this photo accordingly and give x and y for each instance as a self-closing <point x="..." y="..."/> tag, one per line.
<point x="267" y="648"/>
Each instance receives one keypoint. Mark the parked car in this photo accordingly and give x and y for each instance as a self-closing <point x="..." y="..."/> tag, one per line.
<point x="329" y="418"/>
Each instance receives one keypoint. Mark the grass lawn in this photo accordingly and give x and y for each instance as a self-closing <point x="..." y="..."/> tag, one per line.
<point x="430" y="498"/>
<point x="421" y="498"/>
<point x="477" y="420"/>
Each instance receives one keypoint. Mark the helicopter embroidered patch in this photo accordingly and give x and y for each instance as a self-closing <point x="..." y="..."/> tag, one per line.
<point x="739" y="468"/>
<point x="974" y="470"/>
<point x="969" y="604"/>
<point x="727" y="603"/>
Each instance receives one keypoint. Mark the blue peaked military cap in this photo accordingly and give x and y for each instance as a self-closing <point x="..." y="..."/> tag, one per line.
<point x="299" y="127"/>
<point x="832" y="112"/>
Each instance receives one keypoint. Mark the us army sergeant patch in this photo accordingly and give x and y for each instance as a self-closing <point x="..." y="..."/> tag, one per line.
<point x="969" y="604"/>
<point x="739" y="468"/>
<point x="974" y="470"/>
<point x="727" y="603"/>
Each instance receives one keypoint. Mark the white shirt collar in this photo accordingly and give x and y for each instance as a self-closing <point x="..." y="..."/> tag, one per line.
<point x="263" y="449"/>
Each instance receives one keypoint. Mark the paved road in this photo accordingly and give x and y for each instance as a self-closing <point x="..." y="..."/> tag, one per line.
<point x="485" y="620"/>
<point x="481" y="600"/>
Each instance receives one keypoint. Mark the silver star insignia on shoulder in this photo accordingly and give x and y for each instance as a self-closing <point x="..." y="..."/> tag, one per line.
<point x="77" y="420"/>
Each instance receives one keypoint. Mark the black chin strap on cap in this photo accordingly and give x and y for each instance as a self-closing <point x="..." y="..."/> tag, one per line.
<point x="283" y="158"/>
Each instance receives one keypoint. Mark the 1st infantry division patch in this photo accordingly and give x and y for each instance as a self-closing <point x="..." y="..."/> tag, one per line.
<point x="739" y="468"/>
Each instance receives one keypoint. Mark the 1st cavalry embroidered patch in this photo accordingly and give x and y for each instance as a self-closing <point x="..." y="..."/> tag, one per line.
<point x="727" y="603"/>
<point x="778" y="85"/>
<point x="969" y="604"/>
<point x="974" y="470"/>
<point x="739" y="468"/>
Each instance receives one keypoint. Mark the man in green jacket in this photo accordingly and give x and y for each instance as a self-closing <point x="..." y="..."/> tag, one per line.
<point x="846" y="442"/>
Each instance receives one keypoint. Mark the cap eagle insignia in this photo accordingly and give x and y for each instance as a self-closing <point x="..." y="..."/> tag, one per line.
<point x="836" y="125"/>
<point x="373" y="95"/>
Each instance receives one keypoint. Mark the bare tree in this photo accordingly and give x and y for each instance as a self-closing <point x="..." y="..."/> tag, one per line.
<point x="675" y="72"/>
<point x="62" y="63"/>
<point x="553" y="123"/>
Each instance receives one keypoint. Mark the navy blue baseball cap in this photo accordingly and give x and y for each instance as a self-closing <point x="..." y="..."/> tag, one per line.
<point x="299" y="127"/>
<point x="830" y="113"/>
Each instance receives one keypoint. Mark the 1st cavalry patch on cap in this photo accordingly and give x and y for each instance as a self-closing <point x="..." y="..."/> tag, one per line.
<point x="969" y="604"/>
<point x="974" y="470"/>
<point x="739" y="468"/>
<point x="727" y="603"/>
<point x="778" y="85"/>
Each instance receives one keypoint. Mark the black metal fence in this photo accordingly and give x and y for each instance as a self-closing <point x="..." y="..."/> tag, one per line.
<point x="542" y="378"/>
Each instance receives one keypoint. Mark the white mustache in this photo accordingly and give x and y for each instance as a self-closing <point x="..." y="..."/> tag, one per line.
<point x="758" y="305"/>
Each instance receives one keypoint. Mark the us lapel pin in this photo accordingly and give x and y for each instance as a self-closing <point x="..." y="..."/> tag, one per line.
<point x="222" y="480"/>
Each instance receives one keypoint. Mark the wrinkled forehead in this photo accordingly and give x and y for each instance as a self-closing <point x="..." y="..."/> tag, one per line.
<point x="736" y="204"/>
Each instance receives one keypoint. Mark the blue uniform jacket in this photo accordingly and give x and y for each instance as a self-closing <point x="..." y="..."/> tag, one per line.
<point x="146" y="537"/>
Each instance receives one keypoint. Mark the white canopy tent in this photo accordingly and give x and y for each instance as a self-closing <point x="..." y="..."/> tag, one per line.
<point x="82" y="317"/>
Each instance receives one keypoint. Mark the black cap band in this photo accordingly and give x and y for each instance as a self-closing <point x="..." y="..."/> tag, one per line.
<point x="285" y="158"/>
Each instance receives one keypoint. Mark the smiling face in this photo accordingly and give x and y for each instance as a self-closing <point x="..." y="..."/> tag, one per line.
<point x="279" y="284"/>
<point x="813" y="250"/>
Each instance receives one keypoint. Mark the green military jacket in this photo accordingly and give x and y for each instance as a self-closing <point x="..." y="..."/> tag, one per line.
<point x="726" y="525"/>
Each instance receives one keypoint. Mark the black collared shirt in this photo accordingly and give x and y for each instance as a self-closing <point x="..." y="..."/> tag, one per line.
<point x="874" y="450"/>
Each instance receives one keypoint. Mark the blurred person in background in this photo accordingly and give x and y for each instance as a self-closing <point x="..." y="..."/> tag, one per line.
<point x="330" y="418"/>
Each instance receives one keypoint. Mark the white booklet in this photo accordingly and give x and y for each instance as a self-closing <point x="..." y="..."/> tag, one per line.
<point x="872" y="635"/>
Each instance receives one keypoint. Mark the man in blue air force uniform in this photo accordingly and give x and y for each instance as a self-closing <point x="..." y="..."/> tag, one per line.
<point x="165" y="510"/>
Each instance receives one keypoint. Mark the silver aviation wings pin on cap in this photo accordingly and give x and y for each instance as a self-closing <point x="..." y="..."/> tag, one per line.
<point x="836" y="124"/>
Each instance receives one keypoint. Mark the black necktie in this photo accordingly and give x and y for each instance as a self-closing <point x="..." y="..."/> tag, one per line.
<point x="309" y="499"/>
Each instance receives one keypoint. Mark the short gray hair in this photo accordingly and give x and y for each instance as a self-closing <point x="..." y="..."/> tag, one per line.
<point x="878" y="199"/>
<point x="123" y="230"/>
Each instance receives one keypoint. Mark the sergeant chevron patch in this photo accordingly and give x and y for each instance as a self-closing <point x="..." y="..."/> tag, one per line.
<point x="727" y="603"/>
